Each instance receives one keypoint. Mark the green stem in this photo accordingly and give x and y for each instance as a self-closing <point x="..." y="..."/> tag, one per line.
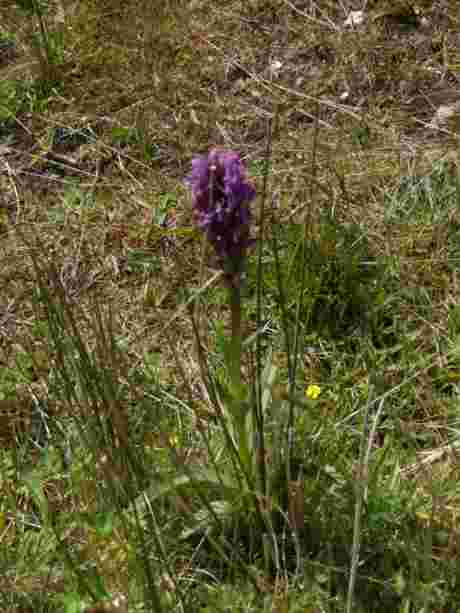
<point x="236" y="344"/>
<point x="236" y="381"/>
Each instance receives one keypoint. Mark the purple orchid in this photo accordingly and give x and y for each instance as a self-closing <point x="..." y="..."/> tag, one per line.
<point x="220" y="198"/>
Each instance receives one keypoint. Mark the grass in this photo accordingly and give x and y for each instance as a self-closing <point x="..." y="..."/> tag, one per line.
<point x="135" y="476"/>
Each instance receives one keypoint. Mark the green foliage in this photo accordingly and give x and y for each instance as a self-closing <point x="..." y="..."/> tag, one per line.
<point x="167" y="203"/>
<point x="9" y="379"/>
<point x="344" y="284"/>
<point x="11" y="101"/>
<point x="32" y="7"/>
<point x="22" y="373"/>
<point x="141" y="261"/>
<point x="72" y="602"/>
<point x="429" y="199"/>
<point x="17" y="97"/>
<point x="134" y="136"/>
<point x="259" y="168"/>
<point x="227" y="488"/>
<point x="72" y="137"/>
<point x="125" y="136"/>
<point x="361" y="135"/>
<point x="51" y="43"/>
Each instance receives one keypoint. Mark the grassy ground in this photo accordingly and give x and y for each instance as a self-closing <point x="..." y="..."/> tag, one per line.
<point x="119" y="487"/>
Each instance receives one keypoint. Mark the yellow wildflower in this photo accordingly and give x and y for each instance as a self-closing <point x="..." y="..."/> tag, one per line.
<point x="313" y="391"/>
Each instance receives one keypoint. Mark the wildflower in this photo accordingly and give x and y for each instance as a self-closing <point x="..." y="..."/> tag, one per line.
<point x="220" y="198"/>
<point x="313" y="391"/>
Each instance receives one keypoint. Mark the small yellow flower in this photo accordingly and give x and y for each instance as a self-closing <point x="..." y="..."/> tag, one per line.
<point x="313" y="391"/>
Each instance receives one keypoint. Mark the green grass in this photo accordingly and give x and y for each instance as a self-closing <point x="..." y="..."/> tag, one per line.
<point x="134" y="474"/>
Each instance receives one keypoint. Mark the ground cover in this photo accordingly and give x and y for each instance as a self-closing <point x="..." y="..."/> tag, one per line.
<point x="144" y="467"/>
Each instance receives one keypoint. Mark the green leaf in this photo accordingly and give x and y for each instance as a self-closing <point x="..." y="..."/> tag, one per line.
<point x="125" y="136"/>
<point x="72" y="603"/>
<point x="103" y="524"/>
<point x="98" y="586"/>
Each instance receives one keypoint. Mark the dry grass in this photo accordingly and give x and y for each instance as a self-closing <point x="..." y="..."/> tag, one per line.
<point x="172" y="78"/>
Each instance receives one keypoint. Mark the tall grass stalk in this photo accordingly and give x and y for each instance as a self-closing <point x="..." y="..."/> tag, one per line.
<point x="362" y="480"/>
<point x="88" y="375"/>
<point x="259" y="416"/>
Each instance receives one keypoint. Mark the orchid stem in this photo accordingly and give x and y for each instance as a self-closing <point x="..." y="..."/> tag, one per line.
<point x="236" y="381"/>
<point x="236" y="344"/>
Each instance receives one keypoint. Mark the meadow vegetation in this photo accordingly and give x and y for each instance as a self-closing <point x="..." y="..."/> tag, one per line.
<point x="168" y="443"/>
